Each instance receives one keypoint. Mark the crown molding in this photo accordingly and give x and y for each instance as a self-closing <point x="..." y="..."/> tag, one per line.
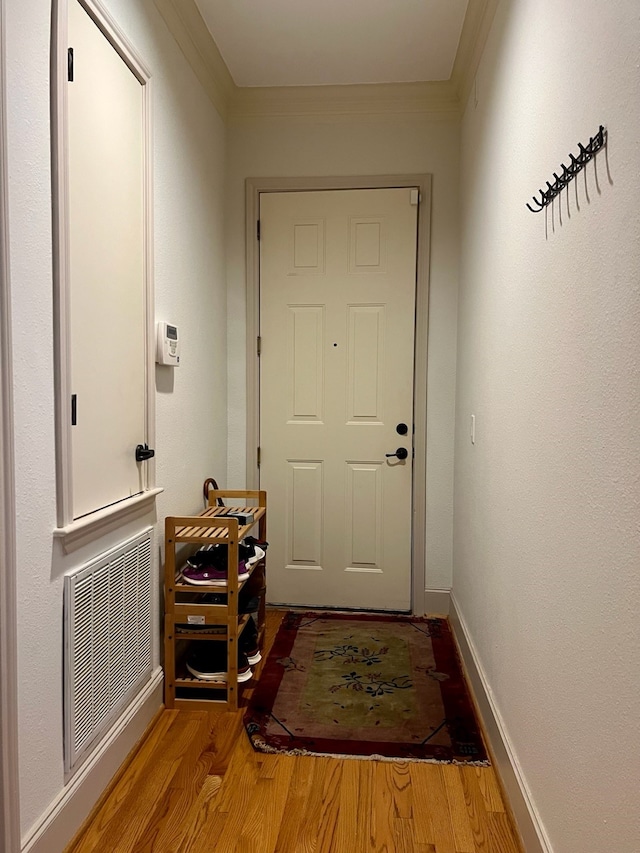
<point x="188" y="28"/>
<point x="475" y="31"/>
<point x="438" y="99"/>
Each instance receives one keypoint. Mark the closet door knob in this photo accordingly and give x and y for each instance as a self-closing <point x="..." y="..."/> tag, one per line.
<point x="144" y="452"/>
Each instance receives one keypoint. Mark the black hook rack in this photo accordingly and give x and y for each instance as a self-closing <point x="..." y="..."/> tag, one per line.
<point x="587" y="152"/>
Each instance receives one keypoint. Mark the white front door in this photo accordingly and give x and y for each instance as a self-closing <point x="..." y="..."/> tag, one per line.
<point x="337" y="316"/>
<point x="106" y="269"/>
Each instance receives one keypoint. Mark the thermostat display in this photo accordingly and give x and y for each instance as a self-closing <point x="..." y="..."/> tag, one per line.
<point x="167" y="344"/>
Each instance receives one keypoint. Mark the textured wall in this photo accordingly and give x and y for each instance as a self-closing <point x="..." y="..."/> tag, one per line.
<point x="547" y="502"/>
<point x="190" y="291"/>
<point x="281" y="147"/>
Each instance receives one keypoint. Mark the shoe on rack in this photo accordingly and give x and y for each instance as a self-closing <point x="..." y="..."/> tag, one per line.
<point x="258" y="554"/>
<point x="214" y="555"/>
<point x="212" y="598"/>
<point x="249" y="643"/>
<point x="207" y="661"/>
<point x="212" y="576"/>
<point x="245" y="551"/>
<point x="250" y="552"/>
<point x="208" y="566"/>
<point x="251" y="540"/>
<point x="249" y="605"/>
<point x="208" y="557"/>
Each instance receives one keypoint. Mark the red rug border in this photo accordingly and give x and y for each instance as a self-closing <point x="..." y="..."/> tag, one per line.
<point x="455" y="695"/>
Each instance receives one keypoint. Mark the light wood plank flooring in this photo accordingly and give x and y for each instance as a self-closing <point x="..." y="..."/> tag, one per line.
<point x="195" y="785"/>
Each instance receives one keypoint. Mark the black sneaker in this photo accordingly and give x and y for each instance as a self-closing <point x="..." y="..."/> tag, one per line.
<point x="245" y="604"/>
<point x="250" y="605"/>
<point x="207" y="661"/>
<point x="250" y="551"/>
<point x="251" y="540"/>
<point x="211" y="556"/>
<point x="212" y="598"/>
<point x="249" y="643"/>
<point x="246" y="550"/>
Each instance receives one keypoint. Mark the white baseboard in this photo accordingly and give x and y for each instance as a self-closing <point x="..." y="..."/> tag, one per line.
<point x="64" y="817"/>
<point x="436" y="602"/>
<point x="524" y="811"/>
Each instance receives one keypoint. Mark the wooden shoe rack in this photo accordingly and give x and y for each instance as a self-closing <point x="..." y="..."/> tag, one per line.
<point x="184" y="604"/>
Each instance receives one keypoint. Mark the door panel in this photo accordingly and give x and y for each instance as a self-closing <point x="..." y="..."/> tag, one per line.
<point x="365" y="345"/>
<point x="364" y="517"/>
<point x="304" y="501"/>
<point x="337" y="274"/>
<point x="306" y="362"/>
<point x="107" y="268"/>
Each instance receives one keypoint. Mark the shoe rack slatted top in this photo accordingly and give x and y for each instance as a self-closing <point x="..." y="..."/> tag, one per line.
<point x="191" y="533"/>
<point x="187" y="530"/>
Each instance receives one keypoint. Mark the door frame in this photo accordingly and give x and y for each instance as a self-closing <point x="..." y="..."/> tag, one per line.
<point x="254" y="187"/>
<point x="79" y="532"/>
<point x="9" y="768"/>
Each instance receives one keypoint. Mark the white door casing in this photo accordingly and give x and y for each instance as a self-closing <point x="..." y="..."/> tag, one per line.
<point x="338" y="277"/>
<point x="9" y="761"/>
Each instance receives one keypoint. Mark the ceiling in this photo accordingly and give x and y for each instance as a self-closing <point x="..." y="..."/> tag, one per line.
<point x="335" y="42"/>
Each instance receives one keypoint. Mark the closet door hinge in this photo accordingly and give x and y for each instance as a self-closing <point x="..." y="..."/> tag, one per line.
<point x="258" y="455"/>
<point x="258" y="229"/>
<point x="259" y="346"/>
<point x="70" y="65"/>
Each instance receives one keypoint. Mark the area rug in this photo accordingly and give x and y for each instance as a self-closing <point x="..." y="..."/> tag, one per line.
<point x="362" y="685"/>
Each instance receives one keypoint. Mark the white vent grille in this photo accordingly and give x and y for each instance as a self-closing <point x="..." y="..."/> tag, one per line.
<point x="107" y="607"/>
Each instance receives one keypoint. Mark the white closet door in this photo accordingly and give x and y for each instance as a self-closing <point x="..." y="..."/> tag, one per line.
<point x="107" y="287"/>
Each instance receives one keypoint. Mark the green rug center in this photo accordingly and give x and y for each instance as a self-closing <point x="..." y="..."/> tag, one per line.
<point x="360" y="677"/>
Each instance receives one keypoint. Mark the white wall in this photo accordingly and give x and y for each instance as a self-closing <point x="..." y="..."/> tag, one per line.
<point x="189" y="155"/>
<point x="284" y="147"/>
<point x="547" y="502"/>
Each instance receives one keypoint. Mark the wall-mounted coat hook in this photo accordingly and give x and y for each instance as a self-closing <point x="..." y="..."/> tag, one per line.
<point x="569" y="172"/>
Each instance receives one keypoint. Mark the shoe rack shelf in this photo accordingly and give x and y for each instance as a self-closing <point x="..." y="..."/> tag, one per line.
<point x="184" y="603"/>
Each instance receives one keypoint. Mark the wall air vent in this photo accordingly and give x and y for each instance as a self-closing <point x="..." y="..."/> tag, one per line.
<point x="107" y="642"/>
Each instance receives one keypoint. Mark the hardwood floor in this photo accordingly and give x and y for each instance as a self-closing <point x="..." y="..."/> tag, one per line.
<point x="196" y="786"/>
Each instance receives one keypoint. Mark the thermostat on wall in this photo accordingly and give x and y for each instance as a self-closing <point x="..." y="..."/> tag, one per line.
<point x="167" y="345"/>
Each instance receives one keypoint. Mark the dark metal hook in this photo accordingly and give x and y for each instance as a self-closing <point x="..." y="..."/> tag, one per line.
<point x="569" y="172"/>
<point x="585" y="154"/>
<point x="575" y="165"/>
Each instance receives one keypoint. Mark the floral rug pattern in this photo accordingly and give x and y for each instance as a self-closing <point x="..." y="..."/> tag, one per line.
<point x="367" y="686"/>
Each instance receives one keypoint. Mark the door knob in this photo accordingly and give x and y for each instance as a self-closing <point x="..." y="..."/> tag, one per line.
<point x="401" y="453"/>
<point x="144" y="452"/>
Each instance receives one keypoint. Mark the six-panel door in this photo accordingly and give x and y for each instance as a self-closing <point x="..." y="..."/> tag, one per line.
<point x="337" y="279"/>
